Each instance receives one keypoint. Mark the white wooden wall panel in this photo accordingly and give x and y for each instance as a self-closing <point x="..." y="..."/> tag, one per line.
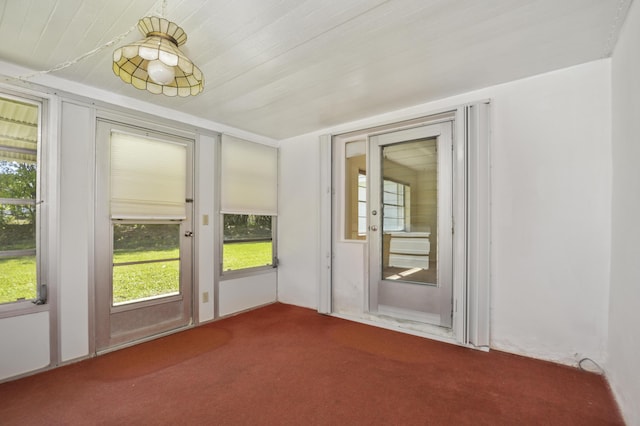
<point x="299" y="216"/>
<point x="244" y="293"/>
<point x="205" y="254"/>
<point x="25" y="344"/>
<point x="623" y="345"/>
<point x="77" y="144"/>
<point x="281" y="68"/>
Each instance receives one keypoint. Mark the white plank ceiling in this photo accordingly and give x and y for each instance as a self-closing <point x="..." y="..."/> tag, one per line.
<point x="280" y="68"/>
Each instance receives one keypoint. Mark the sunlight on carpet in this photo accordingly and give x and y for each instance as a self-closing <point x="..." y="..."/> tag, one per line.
<point x="157" y="355"/>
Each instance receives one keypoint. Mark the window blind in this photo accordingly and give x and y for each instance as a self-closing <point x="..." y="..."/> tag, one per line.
<point x="148" y="178"/>
<point x="249" y="177"/>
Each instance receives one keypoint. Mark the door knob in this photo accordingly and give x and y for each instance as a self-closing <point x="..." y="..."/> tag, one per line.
<point x="373" y="227"/>
<point x="188" y="234"/>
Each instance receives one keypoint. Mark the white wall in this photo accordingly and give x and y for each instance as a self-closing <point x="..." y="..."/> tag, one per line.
<point x="206" y="253"/>
<point x="551" y="176"/>
<point x="298" y="221"/>
<point x="240" y="294"/>
<point x="622" y="368"/>
<point x="76" y="228"/>
<point x="25" y="344"/>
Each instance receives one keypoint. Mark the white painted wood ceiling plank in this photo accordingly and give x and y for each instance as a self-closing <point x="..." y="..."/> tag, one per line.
<point x="389" y="86"/>
<point x="292" y="30"/>
<point x="13" y="18"/>
<point x="285" y="67"/>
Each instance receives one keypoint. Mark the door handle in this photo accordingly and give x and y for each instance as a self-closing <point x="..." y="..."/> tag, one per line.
<point x="373" y="227"/>
<point x="188" y="234"/>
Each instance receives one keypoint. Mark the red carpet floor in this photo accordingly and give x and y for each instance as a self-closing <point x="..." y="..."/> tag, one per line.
<point x="284" y="365"/>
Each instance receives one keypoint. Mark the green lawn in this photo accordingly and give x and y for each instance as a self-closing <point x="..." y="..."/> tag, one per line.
<point x="17" y="278"/>
<point x="246" y="255"/>
<point x="132" y="282"/>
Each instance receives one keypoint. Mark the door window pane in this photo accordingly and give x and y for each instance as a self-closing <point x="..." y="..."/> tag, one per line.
<point x="146" y="261"/>
<point x="248" y="241"/>
<point x="409" y="249"/>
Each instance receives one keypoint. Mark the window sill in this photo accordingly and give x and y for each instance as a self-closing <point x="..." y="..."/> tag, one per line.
<point x="25" y="307"/>
<point x="247" y="272"/>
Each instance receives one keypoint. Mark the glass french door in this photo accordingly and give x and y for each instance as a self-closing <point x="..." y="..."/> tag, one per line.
<point x="143" y="234"/>
<point x="410" y="224"/>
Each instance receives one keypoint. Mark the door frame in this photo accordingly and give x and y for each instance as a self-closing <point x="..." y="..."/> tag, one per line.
<point x="472" y="221"/>
<point x="143" y="128"/>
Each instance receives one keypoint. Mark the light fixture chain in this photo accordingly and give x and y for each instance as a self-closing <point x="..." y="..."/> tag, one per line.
<point x="74" y="61"/>
<point x="71" y="62"/>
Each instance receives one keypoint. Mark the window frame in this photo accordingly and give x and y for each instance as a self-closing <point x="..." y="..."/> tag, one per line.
<point x="42" y="300"/>
<point x="254" y="270"/>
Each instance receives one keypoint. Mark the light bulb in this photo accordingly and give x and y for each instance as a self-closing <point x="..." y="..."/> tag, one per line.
<point x="160" y="73"/>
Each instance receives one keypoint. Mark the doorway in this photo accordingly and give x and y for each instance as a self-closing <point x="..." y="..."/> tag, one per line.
<point x="405" y="225"/>
<point x="410" y="200"/>
<point x="143" y="234"/>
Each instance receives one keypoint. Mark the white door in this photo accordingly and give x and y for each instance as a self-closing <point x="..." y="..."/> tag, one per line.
<point x="143" y="234"/>
<point x="409" y="218"/>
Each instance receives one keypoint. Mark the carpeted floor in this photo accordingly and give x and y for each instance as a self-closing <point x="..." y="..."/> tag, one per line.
<point x="284" y="365"/>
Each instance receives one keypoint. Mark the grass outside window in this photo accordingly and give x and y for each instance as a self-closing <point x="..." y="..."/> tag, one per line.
<point x="132" y="282"/>
<point x="142" y="281"/>
<point x="245" y="255"/>
<point x="17" y="279"/>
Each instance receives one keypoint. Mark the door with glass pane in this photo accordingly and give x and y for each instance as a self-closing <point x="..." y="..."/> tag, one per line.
<point x="410" y="224"/>
<point x="143" y="234"/>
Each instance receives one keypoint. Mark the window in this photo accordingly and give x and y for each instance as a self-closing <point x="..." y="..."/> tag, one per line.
<point x="248" y="242"/>
<point x="248" y="204"/>
<point x="395" y="202"/>
<point x="19" y="207"/>
<point x="355" y="163"/>
<point x="362" y="204"/>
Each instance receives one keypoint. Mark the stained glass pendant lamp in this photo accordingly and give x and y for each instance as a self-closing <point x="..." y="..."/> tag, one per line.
<point x="156" y="63"/>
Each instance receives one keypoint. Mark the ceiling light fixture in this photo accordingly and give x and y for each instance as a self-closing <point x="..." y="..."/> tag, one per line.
<point x="155" y="63"/>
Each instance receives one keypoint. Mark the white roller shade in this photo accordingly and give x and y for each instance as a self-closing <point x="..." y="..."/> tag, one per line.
<point x="249" y="177"/>
<point x="148" y="178"/>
